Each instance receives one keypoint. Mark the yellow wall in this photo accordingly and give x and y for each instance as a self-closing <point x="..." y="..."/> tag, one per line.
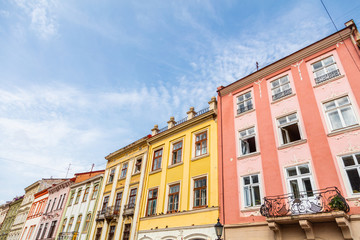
<point x="184" y="173"/>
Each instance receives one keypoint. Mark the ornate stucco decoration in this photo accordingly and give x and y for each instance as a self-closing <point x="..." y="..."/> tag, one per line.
<point x="298" y="67"/>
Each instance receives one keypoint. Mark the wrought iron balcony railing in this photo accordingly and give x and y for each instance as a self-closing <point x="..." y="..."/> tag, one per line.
<point x="67" y="236"/>
<point x="317" y="201"/>
<point x="327" y="76"/>
<point x="129" y="209"/>
<point x="107" y="213"/>
<point x="244" y="108"/>
<point x="282" y="94"/>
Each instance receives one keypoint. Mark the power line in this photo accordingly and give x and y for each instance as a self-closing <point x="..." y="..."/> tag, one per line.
<point x="33" y="164"/>
<point x="340" y="36"/>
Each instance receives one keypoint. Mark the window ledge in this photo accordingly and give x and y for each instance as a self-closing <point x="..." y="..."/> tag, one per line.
<point x="243" y="113"/>
<point x="175" y="165"/>
<point x="344" y="130"/>
<point x="298" y="142"/>
<point x="137" y="173"/>
<point x="155" y="171"/>
<point x="248" y="155"/>
<point x="250" y="209"/>
<point x="328" y="81"/>
<point x="122" y="178"/>
<point x="200" y="157"/>
<point x="283" y="98"/>
<point x="355" y="197"/>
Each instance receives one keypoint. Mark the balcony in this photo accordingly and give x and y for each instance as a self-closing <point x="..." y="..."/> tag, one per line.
<point x="109" y="213"/>
<point x="327" y="76"/>
<point x="129" y="209"/>
<point x="67" y="236"/>
<point x="244" y="109"/>
<point x="318" y="201"/>
<point x="282" y="94"/>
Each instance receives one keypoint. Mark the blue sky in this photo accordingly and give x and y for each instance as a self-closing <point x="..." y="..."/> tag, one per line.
<point x="80" y="79"/>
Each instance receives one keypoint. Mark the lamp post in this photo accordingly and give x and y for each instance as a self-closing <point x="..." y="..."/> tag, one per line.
<point x="218" y="229"/>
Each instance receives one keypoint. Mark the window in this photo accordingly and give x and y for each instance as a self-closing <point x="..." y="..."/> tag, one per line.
<point x="43" y="233"/>
<point x="340" y="113"/>
<point x="280" y="88"/>
<point x="105" y="203"/>
<point x="138" y="165"/>
<point x="117" y="202"/>
<point x="325" y="69"/>
<point x="98" y="233"/>
<point x="86" y="194"/>
<point x="31" y="229"/>
<point x="299" y="181"/>
<point x="78" y="222"/>
<point x="87" y="222"/>
<point x="39" y="232"/>
<point x="173" y="205"/>
<point x="352" y="169"/>
<point x="78" y="196"/>
<point x="47" y="208"/>
<point x="96" y="190"/>
<point x="70" y="224"/>
<point x="176" y="152"/>
<point x="151" y="206"/>
<point x="124" y="170"/>
<point x="252" y="190"/>
<point x="52" y="228"/>
<point x="132" y="198"/>
<point x="157" y="159"/>
<point x="200" y="144"/>
<point x="247" y="141"/>
<point x="289" y="129"/>
<point x="63" y="225"/>
<point x="53" y="205"/>
<point x="71" y="197"/>
<point x="126" y="235"/>
<point x="60" y="199"/>
<point x="111" y="175"/>
<point x="111" y="232"/>
<point x="200" y="192"/>
<point x="244" y="103"/>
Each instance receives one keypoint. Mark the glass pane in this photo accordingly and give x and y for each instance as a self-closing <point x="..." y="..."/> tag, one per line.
<point x="304" y="169"/>
<point x="247" y="196"/>
<point x="284" y="80"/>
<point x="354" y="180"/>
<point x="348" y="116"/>
<point x="251" y="131"/>
<point x="254" y="179"/>
<point x="241" y="98"/>
<point x="248" y="95"/>
<point x="342" y="101"/>
<point x="320" y="73"/>
<point x="286" y="87"/>
<point x="335" y="120"/>
<point x="203" y="197"/>
<point x="291" y="172"/>
<point x="357" y="156"/>
<point x="275" y="83"/>
<point x="331" y="68"/>
<point x="308" y="187"/>
<point x="329" y="105"/>
<point x="257" y="199"/>
<point x="348" y="161"/>
<point x="317" y="65"/>
<point x="282" y="120"/>
<point x="328" y="60"/>
<point x="246" y="180"/>
<point x="292" y="117"/>
<point x="295" y="188"/>
<point x="276" y="91"/>
<point x="243" y="133"/>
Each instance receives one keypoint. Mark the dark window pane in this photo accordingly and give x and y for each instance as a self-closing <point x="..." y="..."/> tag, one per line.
<point x="354" y="180"/>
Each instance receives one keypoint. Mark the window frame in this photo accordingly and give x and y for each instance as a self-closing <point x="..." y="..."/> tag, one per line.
<point x="118" y="200"/>
<point x="103" y="207"/>
<point x="156" y="158"/>
<point x="338" y="108"/>
<point x="136" y="170"/>
<point x="201" y="141"/>
<point x="132" y="196"/>
<point x="248" y="136"/>
<point x="124" y="169"/>
<point x="299" y="179"/>
<point x="288" y="123"/>
<point x="95" y="193"/>
<point x="252" y="194"/>
<point x="150" y="201"/>
<point x="86" y="194"/>
<point x="325" y="68"/>
<point x="173" y="194"/>
<point x="111" y="175"/>
<point x="282" y="92"/>
<point x="176" y="151"/>
<point x="199" y="188"/>
<point x="78" y="196"/>
<point x="345" y="168"/>
<point x="247" y="107"/>
<point x="78" y="223"/>
<point x="87" y="223"/>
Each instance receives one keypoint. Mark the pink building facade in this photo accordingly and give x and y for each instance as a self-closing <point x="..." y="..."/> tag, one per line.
<point x="289" y="145"/>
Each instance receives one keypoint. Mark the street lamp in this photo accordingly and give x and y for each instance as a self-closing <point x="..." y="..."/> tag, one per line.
<point x="218" y="229"/>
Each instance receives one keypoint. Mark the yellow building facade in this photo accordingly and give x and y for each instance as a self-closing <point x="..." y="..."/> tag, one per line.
<point x="119" y="203"/>
<point x="180" y="195"/>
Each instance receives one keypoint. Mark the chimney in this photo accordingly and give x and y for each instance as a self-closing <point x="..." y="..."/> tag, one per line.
<point x="212" y="104"/>
<point x="191" y="113"/>
<point x="155" y="130"/>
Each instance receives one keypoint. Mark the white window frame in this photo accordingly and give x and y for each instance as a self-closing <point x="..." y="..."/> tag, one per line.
<point x="142" y="162"/>
<point x="252" y="193"/>
<point x="299" y="178"/>
<point x="288" y="122"/>
<point x="325" y="68"/>
<point x="247" y="137"/>
<point x="344" y="173"/>
<point x="110" y="170"/>
<point x="162" y="147"/>
<point x="167" y="195"/>
<point x="338" y="108"/>
<point x="193" y="145"/>
<point x="247" y="107"/>
<point x="281" y="86"/>
<point x="171" y="151"/>
<point x="121" y="170"/>
<point x="147" y="199"/>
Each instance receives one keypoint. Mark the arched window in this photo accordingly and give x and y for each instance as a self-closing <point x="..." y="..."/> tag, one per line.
<point x="78" y="222"/>
<point x="87" y="222"/>
<point x="63" y="225"/>
<point x="70" y="224"/>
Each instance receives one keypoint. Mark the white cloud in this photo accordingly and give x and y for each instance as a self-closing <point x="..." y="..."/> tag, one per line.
<point x="41" y="13"/>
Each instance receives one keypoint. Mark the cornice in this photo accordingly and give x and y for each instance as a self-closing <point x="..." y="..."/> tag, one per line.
<point x="133" y="145"/>
<point x="211" y="114"/>
<point x="288" y="60"/>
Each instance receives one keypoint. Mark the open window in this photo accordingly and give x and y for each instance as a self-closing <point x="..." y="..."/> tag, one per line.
<point x="247" y="141"/>
<point x="289" y="129"/>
